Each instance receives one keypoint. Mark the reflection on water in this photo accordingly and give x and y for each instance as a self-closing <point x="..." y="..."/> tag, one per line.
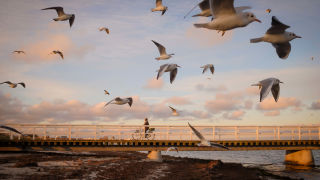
<point x="271" y="160"/>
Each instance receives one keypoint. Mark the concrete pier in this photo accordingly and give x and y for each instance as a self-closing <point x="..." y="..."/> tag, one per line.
<point x="299" y="157"/>
<point x="155" y="156"/>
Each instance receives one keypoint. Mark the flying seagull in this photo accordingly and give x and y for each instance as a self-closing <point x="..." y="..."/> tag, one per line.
<point x="205" y="142"/>
<point x="14" y="85"/>
<point x="172" y="148"/>
<point x="18" y="52"/>
<point x="61" y="15"/>
<point x="57" y="52"/>
<point x="106" y="92"/>
<point x="172" y="68"/>
<point x="312" y="58"/>
<point x="162" y="51"/>
<point x="104" y="29"/>
<point x="226" y="17"/>
<point x="120" y="101"/>
<point x="174" y="111"/>
<point x="160" y="7"/>
<point x="206" y="67"/>
<point x="278" y="37"/>
<point x="266" y="85"/>
<point x="10" y="129"/>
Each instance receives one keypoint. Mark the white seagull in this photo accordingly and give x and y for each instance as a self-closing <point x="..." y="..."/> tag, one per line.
<point x="120" y="101"/>
<point x="226" y="17"/>
<point x="174" y="111"/>
<point x="61" y="15"/>
<point x="104" y="29"/>
<point x="266" y="85"/>
<point x="14" y="85"/>
<point x="162" y="51"/>
<point x="205" y="142"/>
<point x="10" y="129"/>
<point x="278" y="37"/>
<point x="172" y="68"/>
<point x="160" y="7"/>
<point x="206" y="67"/>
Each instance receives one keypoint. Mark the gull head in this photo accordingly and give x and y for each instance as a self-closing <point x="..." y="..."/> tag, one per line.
<point x="291" y="36"/>
<point x="250" y="17"/>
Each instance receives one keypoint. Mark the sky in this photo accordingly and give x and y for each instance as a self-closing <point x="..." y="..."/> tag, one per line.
<point x="70" y="91"/>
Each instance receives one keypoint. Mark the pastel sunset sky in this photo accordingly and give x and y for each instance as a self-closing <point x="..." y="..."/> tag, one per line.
<point x="70" y="91"/>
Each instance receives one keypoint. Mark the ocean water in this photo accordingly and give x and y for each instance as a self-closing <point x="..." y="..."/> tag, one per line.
<point x="271" y="160"/>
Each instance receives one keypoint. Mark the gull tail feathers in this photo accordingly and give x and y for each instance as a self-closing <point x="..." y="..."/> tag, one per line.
<point x="256" y="40"/>
<point x="205" y="25"/>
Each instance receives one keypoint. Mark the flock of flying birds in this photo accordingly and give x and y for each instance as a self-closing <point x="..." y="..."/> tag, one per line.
<point x="223" y="17"/>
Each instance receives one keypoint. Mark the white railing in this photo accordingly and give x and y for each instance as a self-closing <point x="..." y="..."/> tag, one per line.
<point x="130" y="132"/>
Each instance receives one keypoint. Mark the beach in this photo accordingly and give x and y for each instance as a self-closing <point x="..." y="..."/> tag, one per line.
<point x="120" y="165"/>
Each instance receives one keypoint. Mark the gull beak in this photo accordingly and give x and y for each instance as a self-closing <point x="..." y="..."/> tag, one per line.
<point x="281" y="82"/>
<point x="257" y="20"/>
<point x="178" y="66"/>
<point x="298" y="37"/>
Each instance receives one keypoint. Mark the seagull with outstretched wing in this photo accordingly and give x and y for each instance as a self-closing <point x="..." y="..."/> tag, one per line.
<point x="61" y="15"/>
<point x="267" y="85"/>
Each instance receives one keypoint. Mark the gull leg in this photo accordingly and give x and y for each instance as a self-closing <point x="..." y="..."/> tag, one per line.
<point x="223" y="33"/>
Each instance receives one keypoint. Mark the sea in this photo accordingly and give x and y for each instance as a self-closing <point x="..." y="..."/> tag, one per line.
<point x="271" y="161"/>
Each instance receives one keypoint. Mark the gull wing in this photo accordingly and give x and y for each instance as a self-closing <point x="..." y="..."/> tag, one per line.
<point x="212" y="69"/>
<point x="277" y="27"/>
<point x="222" y="7"/>
<point x="218" y="145"/>
<point x="130" y="101"/>
<point x="162" y="49"/>
<point x="172" y="108"/>
<point x="22" y="84"/>
<point x="162" y="70"/>
<point x="10" y="129"/>
<point x="60" y="53"/>
<point x="266" y="87"/>
<point x="205" y="68"/>
<point x="109" y="102"/>
<point x="158" y="3"/>
<point x="197" y="133"/>
<point x="8" y="82"/>
<point x="164" y="11"/>
<point x="275" y="91"/>
<point x="173" y="75"/>
<point x="71" y="20"/>
<point x="106" y="92"/>
<point x="283" y="49"/>
<point x="58" y="9"/>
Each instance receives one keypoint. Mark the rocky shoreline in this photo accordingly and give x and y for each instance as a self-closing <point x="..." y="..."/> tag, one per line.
<point x="120" y="165"/>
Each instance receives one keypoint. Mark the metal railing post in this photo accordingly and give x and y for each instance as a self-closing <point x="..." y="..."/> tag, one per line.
<point x="95" y="132"/>
<point x="236" y="133"/>
<point x="33" y="133"/>
<point x="299" y="131"/>
<point x="213" y="133"/>
<point x="69" y="132"/>
<point x="45" y="132"/>
<point x="278" y="133"/>
<point x="257" y="133"/>
<point x="168" y="133"/>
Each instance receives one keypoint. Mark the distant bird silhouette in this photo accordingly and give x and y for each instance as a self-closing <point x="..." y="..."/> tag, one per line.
<point x="206" y="67"/>
<point x="278" y="37"/>
<point x="205" y="142"/>
<point x="172" y="68"/>
<point x="162" y="51"/>
<point x="104" y="29"/>
<point x="106" y="92"/>
<point x="160" y="7"/>
<point x="267" y="85"/>
<point x="57" y="52"/>
<point x="121" y="101"/>
<point x="18" y="52"/>
<point x="268" y="10"/>
<point x="61" y="15"/>
<point x="10" y="129"/>
<point x="14" y="85"/>
<point x="174" y="111"/>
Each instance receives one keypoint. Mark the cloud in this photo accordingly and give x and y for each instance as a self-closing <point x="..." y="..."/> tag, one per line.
<point x="178" y="101"/>
<point x="235" y="115"/>
<point x="206" y="37"/>
<point x="315" y="105"/>
<point x="154" y="84"/>
<point x="208" y="88"/>
<point x="272" y="113"/>
<point x="283" y="103"/>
